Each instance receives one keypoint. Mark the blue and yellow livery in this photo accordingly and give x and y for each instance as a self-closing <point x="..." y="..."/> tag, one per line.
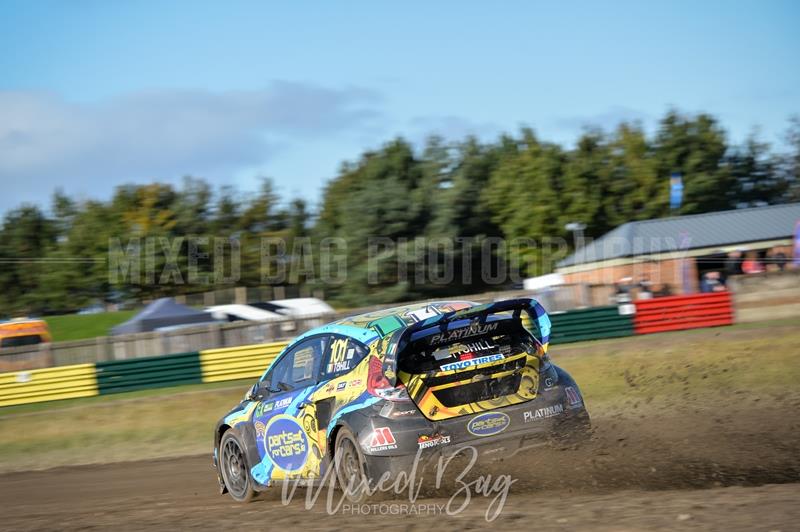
<point x="373" y="393"/>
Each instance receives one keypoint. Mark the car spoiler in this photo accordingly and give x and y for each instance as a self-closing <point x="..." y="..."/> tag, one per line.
<point x="480" y="313"/>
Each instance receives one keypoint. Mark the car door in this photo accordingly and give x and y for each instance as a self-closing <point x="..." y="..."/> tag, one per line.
<point x="284" y="419"/>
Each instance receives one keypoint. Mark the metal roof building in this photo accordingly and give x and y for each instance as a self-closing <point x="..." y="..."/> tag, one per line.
<point x="704" y="233"/>
<point x="675" y="253"/>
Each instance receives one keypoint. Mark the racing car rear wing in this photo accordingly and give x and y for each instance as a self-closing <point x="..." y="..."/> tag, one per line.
<point x="479" y="314"/>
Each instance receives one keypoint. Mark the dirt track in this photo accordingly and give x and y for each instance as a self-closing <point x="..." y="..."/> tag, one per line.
<point x="685" y="470"/>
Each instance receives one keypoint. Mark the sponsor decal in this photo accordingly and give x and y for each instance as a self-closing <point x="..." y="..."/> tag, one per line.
<point x="330" y="387"/>
<point x="474" y="329"/>
<point x="283" y="403"/>
<point x="488" y="424"/>
<point x="341" y="356"/>
<point x="442" y="354"/>
<point x="426" y="442"/>
<point x="381" y="439"/>
<point x="548" y="383"/>
<point x="573" y="397"/>
<point x="464" y="364"/>
<point x="474" y="347"/>
<point x="355" y="383"/>
<point x="401" y="413"/>
<point x="341" y="386"/>
<point x="422" y="313"/>
<point x="543" y="413"/>
<point x="286" y="443"/>
<point x="263" y="408"/>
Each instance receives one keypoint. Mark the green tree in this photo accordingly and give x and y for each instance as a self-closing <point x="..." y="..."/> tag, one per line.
<point x="696" y="148"/>
<point x="524" y="196"/>
<point x="26" y="239"/>
<point x="790" y="162"/>
<point x="757" y="181"/>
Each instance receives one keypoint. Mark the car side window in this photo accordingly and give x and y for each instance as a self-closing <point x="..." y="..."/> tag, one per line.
<point x="299" y="366"/>
<point x="343" y="355"/>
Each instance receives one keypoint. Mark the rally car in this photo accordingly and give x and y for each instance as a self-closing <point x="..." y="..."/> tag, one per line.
<point x="364" y="396"/>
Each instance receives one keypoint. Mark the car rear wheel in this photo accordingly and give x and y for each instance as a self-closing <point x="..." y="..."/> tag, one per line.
<point x="350" y="471"/>
<point x="233" y="466"/>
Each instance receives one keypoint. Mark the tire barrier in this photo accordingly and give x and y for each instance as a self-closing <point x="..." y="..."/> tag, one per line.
<point x="677" y="313"/>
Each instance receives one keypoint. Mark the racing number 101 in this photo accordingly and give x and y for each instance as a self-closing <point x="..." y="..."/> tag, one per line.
<point x="340" y="356"/>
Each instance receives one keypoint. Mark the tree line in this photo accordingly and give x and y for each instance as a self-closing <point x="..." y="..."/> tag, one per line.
<point x="415" y="199"/>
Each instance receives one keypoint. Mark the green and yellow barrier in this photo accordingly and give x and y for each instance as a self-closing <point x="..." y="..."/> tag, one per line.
<point x="87" y="380"/>
<point x="50" y="384"/>
<point x="594" y="323"/>
<point x="234" y="363"/>
<point x="148" y="372"/>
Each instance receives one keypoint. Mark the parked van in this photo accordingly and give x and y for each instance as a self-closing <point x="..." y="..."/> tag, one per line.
<point x="23" y="331"/>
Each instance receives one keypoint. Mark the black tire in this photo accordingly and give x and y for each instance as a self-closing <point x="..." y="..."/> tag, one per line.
<point x="234" y="469"/>
<point x="350" y="466"/>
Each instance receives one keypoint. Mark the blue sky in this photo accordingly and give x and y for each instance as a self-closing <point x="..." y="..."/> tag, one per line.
<point x="98" y="93"/>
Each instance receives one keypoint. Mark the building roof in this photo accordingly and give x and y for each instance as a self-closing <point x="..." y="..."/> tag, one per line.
<point x="680" y="233"/>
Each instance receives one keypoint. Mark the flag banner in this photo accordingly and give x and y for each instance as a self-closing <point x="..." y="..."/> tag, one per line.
<point x="675" y="191"/>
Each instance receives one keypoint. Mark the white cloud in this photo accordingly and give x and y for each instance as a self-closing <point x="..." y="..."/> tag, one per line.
<point x="47" y="142"/>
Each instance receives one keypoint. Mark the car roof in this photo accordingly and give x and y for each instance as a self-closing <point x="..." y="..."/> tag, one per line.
<point x="380" y="323"/>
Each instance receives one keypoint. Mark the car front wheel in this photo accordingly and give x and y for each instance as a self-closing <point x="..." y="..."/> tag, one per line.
<point x="233" y="466"/>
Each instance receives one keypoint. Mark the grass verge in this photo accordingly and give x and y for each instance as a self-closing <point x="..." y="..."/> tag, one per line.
<point x="82" y="326"/>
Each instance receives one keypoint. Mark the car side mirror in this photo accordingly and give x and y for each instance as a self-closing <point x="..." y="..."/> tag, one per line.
<point x="252" y="394"/>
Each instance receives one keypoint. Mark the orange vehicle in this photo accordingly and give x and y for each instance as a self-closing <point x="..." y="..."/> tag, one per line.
<point x="23" y="331"/>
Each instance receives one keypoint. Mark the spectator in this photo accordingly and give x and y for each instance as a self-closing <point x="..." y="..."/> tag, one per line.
<point x="645" y="288"/>
<point x="711" y="282"/>
<point x="780" y="260"/>
<point x="733" y="264"/>
<point x="623" y="290"/>
<point x="664" y="291"/>
<point x="751" y="264"/>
